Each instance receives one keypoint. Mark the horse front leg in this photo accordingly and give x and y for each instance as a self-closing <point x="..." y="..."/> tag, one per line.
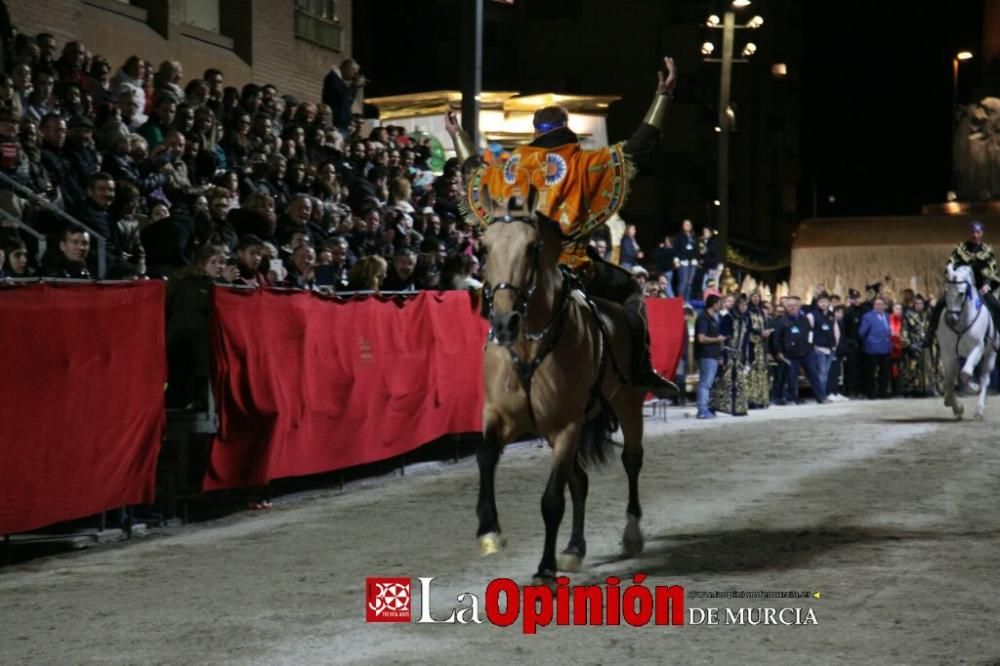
<point x="969" y="369"/>
<point x="949" y="366"/>
<point x="564" y="451"/>
<point x="571" y="558"/>
<point x="487" y="456"/>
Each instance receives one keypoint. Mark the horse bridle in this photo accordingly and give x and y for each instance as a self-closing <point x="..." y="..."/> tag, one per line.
<point x="523" y="294"/>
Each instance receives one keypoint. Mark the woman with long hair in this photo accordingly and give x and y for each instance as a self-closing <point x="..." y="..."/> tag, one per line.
<point x="367" y="274"/>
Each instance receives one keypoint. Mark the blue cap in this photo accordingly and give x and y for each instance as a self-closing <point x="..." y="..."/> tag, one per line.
<point x="548" y="127"/>
<point x="976" y="225"/>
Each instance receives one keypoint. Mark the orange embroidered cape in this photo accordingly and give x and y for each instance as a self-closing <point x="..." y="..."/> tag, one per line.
<point x="579" y="189"/>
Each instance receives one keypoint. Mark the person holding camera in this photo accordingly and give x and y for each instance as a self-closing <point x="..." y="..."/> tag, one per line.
<point x="340" y="87"/>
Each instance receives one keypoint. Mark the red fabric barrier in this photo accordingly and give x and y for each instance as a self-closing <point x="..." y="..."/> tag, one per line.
<point x="81" y="399"/>
<point x="306" y="385"/>
<point x="666" y="333"/>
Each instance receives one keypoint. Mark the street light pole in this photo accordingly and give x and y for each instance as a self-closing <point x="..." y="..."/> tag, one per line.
<point x="725" y="87"/>
<point x="472" y="66"/>
<point x="958" y="59"/>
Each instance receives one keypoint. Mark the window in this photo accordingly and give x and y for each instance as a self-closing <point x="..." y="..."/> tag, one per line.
<point x="202" y="14"/>
<point x="317" y="22"/>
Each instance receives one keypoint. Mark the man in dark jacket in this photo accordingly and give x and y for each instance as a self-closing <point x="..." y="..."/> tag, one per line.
<point x="852" y="361"/>
<point x="70" y="261"/>
<point x="94" y="213"/>
<point x="685" y="259"/>
<point x="340" y="88"/>
<point x="793" y="342"/>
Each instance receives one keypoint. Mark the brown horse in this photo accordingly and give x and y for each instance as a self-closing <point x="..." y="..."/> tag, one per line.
<point x="551" y="370"/>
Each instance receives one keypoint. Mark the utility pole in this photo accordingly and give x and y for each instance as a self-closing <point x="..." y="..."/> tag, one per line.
<point x="472" y="66"/>
<point x="725" y="123"/>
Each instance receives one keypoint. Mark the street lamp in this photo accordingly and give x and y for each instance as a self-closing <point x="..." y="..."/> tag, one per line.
<point x="726" y="116"/>
<point x="960" y="57"/>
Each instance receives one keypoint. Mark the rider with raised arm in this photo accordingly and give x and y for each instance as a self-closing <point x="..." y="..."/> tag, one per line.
<point x="980" y="257"/>
<point x="578" y="190"/>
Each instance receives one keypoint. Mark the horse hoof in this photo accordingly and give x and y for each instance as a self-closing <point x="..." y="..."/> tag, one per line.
<point x="569" y="562"/>
<point x="491" y="544"/>
<point x="545" y="578"/>
<point x="632" y="539"/>
<point x="973" y="387"/>
<point x="979" y="415"/>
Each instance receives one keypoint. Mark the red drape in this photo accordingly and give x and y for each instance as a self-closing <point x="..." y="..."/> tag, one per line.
<point x="666" y="333"/>
<point x="81" y="399"/>
<point x="307" y="385"/>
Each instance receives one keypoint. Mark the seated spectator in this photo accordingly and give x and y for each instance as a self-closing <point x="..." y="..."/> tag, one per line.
<point x="40" y="102"/>
<point x="256" y="216"/>
<point x="298" y="214"/>
<point x="249" y="253"/>
<point x="301" y="267"/>
<point x="166" y="83"/>
<point x="402" y="276"/>
<point x="15" y="263"/>
<point x="127" y="227"/>
<point x="236" y="143"/>
<point x="70" y="65"/>
<point x="367" y="274"/>
<point x="98" y="82"/>
<point x="94" y="213"/>
<point x="21" y="76"/>
<point x="196" y="93"/>
<point x="9" y="99"/>
<point x="70" y="261"/>
<point x="131" y="102"/>
<point x="156" y="128"/>
<point x="334" y="273"/>
<point x="120" y="165"/>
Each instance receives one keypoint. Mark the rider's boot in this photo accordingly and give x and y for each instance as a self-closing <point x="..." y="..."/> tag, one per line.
<point x="643" y="374"/>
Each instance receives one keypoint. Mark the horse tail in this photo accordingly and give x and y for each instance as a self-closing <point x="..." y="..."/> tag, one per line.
<point x="595" y="440"/>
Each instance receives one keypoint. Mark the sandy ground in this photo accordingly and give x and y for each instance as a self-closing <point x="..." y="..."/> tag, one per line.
<point x="888" y="509"/>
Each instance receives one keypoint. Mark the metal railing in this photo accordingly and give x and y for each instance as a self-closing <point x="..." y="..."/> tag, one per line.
<point x="23" y="226"/>
<point x="40" y="201"/>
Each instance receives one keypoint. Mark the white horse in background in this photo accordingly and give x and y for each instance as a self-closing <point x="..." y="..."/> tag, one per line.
<point x="966" y="331"/>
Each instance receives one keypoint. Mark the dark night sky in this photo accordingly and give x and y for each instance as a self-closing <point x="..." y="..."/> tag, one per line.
<point x="875" y="83"/>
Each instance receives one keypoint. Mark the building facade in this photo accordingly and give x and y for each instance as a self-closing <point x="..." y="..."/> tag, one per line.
<point x="291" y="43"/>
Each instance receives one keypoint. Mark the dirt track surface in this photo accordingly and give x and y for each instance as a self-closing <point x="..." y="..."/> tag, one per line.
<point x="888" y="509"/>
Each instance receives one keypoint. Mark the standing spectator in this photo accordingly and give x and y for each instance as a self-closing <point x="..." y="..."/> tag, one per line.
<point x="758" y="380"/>
<point x="835" y="382"/>
<point x="686" y="259"/>
<point x="896" y="329"/>
<point x="853" y="384"/>
<point x="917" y="376"/>
<point x="729" y="394"/>
<point x="340" y="87"/>
<point x="795" y="349"/>
<point x="826" y="336"/>
<point x="664" y="258"/>
<point x="707" y="350"/>
<point x="630" y="254"/>
<point x="711" y="262"/>
<point x="876" y="344"/>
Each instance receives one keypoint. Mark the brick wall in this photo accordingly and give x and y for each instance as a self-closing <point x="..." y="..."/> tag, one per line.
<point x="264" y="47"/>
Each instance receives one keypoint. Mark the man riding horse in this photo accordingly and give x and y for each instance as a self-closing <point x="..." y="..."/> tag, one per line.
<point x="578" y="190"/>
<point x="979" y="256"/>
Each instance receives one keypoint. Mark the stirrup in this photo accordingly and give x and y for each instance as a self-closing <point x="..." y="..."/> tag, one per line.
<point x="656" y="384"/>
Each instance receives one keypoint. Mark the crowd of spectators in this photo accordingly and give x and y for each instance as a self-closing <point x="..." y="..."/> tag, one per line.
<point x="185" y="176"/>
<point x="876" y="347"/>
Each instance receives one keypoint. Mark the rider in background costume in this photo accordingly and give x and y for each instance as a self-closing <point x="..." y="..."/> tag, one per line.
<point x="980" y="257"/>
<point x="578" y="190"/>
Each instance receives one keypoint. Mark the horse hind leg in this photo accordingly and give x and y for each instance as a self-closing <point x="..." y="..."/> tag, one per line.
<point x="571" y="559"/>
